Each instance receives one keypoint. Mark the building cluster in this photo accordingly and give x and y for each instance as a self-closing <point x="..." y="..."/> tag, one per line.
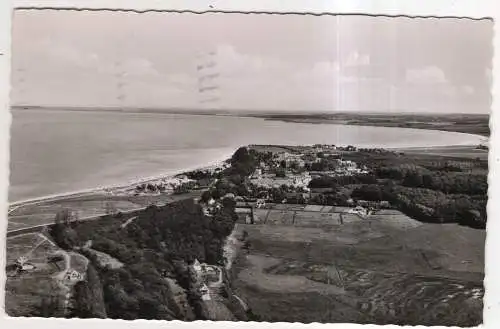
<point x="209" y="279"/>
<point x="165" y="185"/>
<point x="73" y="276"/>
<point x="296" y="170"/>
<point x="291" y="179"/>
<point x="22" y="264"/>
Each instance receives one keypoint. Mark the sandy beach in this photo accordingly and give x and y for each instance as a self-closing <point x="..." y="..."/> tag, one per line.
<point x="104" y="190"/>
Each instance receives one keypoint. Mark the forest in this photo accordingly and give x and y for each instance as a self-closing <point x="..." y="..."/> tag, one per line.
<point x="159" y="244"/>
<point x="429" y="189"/>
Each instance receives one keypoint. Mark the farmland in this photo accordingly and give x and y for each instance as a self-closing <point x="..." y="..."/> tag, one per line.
<point x="85" y="206"/>
<point x="302" y="266"/>
<point x="22" y="288"/>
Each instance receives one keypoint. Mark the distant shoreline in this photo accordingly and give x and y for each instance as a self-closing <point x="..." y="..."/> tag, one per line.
<point x="467" y="123"/>
<point x="420" y="126"/>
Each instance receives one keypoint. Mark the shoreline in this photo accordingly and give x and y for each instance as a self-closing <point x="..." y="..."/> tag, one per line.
<point x="171" y="174"/>
<point x="119" y="186"/>
<point x="315" y="121"/>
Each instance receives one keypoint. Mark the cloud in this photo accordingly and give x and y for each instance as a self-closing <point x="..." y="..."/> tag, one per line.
<point x="468" y="90"/>
<point x="139" y="67"/>
<point x="426" y="75"/>
<point x="73" y="56"/>
<point x="231" y="62"/>
<point x="356" y="59"/>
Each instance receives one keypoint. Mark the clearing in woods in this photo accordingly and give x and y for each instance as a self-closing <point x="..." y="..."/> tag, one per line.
<point x="44" y="283"/>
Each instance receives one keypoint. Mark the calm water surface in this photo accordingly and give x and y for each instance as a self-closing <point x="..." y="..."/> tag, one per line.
<point x="57" y="152"/>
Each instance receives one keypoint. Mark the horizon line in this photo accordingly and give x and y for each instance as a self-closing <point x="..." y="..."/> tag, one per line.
<point x="234" y="111"/>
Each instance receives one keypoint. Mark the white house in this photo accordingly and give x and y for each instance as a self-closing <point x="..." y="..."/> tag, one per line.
<point x="197" y="265"/>
<point x="205" y="292"/>
<point x="74" y="276"/>
<point x="229" y="196"/>
<point x="359" y="211"/>
<point x="260" y="203"/>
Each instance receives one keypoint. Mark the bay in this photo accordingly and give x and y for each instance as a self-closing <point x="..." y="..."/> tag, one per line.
<point x="54" y="151"/>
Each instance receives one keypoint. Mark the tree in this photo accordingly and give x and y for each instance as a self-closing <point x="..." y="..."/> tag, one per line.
<point x="89" y="301"/>
<point x="49" y="307"/>
<point x="368" y="192"/>
<point x="206" y="196"/>
<point x="241" y="156"/>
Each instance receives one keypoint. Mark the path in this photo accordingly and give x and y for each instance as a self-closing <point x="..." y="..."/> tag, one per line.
<point x="130" y="220"/>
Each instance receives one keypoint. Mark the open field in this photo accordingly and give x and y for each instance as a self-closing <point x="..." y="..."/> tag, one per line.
<point x="29" y="292"/>
<point x="304" y="215"/>
<point x="86" y="206"/>
<point x="387" y="269"/>
<point x="460" y="152"/>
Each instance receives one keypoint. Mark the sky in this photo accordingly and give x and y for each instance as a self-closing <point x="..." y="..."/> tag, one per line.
<point x="258" y="62"/>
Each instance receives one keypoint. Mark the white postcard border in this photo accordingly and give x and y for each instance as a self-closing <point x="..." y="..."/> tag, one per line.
<point x="439" y="8"/>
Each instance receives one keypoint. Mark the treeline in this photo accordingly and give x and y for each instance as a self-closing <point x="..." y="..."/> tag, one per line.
<point x="435" y="206"/>
<point x="430" y="189"/>
<point x="454" y="182"/>
<point x="337" y="181"/>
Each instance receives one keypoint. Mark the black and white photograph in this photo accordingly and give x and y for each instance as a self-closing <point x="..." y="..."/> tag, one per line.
<point x="248" y="167"/>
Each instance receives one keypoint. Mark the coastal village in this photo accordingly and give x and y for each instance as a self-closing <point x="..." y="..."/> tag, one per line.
<point x="289" y="169"/>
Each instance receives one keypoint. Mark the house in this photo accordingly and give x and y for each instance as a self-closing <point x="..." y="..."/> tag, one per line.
<point x="363" y="203"/>
<point x="359" y="210"/>
<point x="22" y="264"/>
<point x="384" y="204"/>
<point x="21" y="260"/>
<point x="197" y="265"/>
<point x="74" y="276"/>
<point x="206" y="212"/>
<point x="257" y="174"/>
<point x="204" y="289"/>
<point x="229" y="196"/>
<point x="260" y="203"/>
<point x="204" y="292"/>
